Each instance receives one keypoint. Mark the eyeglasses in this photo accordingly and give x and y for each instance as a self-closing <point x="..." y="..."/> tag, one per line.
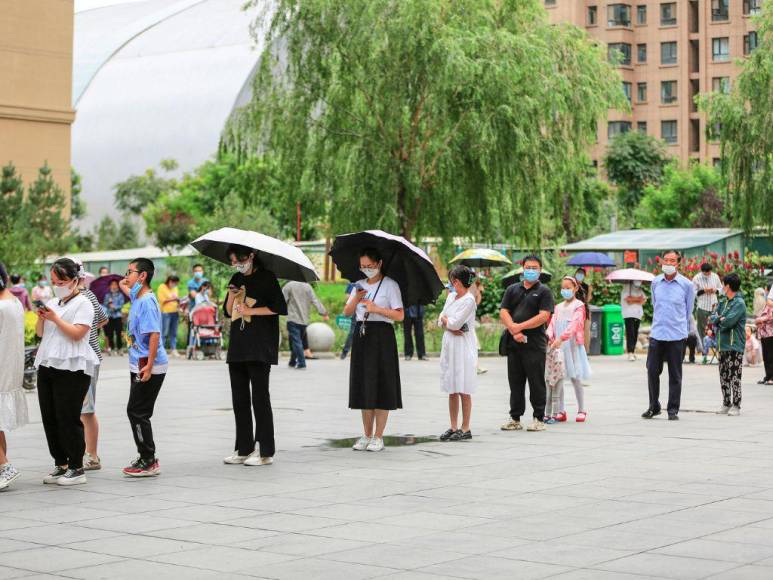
<point x="129" y="272"/>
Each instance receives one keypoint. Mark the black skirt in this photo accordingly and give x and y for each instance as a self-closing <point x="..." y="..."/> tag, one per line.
<point x="374" y="372"/>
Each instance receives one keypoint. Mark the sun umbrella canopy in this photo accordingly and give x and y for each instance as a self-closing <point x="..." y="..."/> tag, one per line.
<point x="630" y="275"/>
<point x="101" y="285"/>
<point x="482" y="258"/>
<point x="283" y="259"/>
<point x="592" y="260"/>
<point x="405" y="263"/>
<point x="514" y="276"/>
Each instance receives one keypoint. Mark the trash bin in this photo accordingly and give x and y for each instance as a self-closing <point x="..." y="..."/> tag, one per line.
<point x="595" y="330"/>
<point x="613" y="330"/>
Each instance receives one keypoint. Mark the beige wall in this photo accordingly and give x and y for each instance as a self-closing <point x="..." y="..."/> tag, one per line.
<point x="691" y="125"/>
<point x="36" y="39"/>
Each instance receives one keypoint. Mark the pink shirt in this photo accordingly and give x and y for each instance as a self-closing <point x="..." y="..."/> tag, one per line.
<point x="574" y="312"/>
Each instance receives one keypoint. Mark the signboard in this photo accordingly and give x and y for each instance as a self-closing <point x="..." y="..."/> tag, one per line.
<point x="630" y="257"/>
<point x="343" y="322"/>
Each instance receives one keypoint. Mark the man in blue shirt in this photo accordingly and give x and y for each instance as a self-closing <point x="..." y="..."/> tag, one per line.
<point x="147" y="364"/>
<point x="673" y="297"/>
<point x="194" y="284"/>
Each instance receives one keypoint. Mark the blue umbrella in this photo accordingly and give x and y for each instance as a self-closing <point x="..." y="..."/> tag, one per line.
<point x="592" y="260"/>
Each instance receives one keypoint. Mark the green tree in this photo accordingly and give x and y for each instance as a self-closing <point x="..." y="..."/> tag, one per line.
<point x="634" y="160"/>
<point x="687" y="198"/>
<point x="744" y="118"/>
<point x="134" y="194"/>
<point x="425" y="117"/>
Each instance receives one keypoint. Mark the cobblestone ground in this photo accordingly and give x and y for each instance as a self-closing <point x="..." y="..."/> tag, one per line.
<point x="616" y="497"/>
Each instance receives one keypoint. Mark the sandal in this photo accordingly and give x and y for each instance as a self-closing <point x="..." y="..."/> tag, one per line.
<point x="581" y="417"/>
<point x="447" y="435"/>
<point x="560" y="417"/>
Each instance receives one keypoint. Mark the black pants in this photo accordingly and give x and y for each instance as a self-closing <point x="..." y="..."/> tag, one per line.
<point x="142" y="400"/>
<point x="247" y="402"/>
<point x="113" y="333"/>
<point x="670" y="352"/>
<point x="767" y="357"/>
<point x="417" y="324"/>
<point x="61" y="394"/>
<point x="631" y="333"/>
<point x="526" y="364"/>
<point x="305" y="339"/>
<point x="690" y="345"/>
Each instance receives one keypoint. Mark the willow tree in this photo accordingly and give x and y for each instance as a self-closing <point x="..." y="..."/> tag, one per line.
<point x="426" y="117"/>
<point x="743" y="119"/>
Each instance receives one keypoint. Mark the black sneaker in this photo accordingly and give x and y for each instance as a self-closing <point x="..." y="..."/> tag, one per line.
<point x="447" y="435"/>
<point x="466" y="436"/>
<point x="457" y="436"/>
<point x="673" y="417"/>
<point x="650" y="413"/>
<point x="424" y="358"/>
<point x="54" y="476"/>
<point x="407" y="358"/>
<point x="72" y="477"/>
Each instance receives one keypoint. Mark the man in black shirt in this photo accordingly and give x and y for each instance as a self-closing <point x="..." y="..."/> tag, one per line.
<point x="525" y="310"/>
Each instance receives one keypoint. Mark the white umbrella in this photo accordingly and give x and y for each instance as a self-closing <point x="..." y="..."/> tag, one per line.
<point x="283" y="259"/>
<point x="630" y="275"/>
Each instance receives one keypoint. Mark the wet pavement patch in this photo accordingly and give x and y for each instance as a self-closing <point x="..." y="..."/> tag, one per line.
<point x="389" y="441"/>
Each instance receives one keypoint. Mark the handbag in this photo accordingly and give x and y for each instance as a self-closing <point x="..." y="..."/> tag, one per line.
<point x="504" y="342"/>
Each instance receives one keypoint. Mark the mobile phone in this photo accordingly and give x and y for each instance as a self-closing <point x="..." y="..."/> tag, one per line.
<point x="39" y="305"/>
<point x="232" y="287"/>
<point x="141" y="364"/>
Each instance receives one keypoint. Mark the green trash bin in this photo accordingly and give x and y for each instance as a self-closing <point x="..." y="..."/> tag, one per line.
<point x="613" y="330"/>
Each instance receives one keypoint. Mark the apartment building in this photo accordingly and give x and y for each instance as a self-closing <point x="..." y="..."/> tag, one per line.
<point x="668" y="52"/>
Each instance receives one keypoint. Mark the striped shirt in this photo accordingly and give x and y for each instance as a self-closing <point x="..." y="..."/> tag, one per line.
<point x="707" y="301"/>
<point x="99" y="318"/>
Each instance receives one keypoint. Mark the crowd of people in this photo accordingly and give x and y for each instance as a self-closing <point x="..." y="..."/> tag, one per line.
<point x="544" y="343"/>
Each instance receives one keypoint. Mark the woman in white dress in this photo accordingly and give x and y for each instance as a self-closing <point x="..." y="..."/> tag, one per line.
<point x="13" y="406"/>
<point x="459" y="353"/>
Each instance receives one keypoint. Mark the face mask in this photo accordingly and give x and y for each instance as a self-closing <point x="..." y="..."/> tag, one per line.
<point x="135" y="291"/>
<point x="198" y="275"/>
<point x="637" y="283"/>
<point x="530" y="275"/>
<point x="370" y="272"/>
<point x="668" y="269"/>
<point x="42" y="283"/>
<point x="579" y="277"/>
<point x="567" y="293"/>
<point x="244" y="267"/>
<point x="62" y="292"/>
<point x="205" y="293"/>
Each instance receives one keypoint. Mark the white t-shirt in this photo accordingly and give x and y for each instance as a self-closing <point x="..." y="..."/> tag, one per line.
<point x="389" y="296"/>
<point x="59" y="351"/>
<point x="631" y="310"/>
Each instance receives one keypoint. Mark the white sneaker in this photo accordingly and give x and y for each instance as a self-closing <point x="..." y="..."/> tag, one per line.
<point x="376" y="444"/>
<point x="723" y="410"/>
<point x="235" y="459"/>
<point x="72" y="477"/>
<point x="631" y="357"/>
<point x="536" y="425"/>
<point x="54" y="476"/>
<point x="361" y="444"/>
<point x="8" y="473"/>
<point x="734" y="411"/>
<point x="257" y="460"/>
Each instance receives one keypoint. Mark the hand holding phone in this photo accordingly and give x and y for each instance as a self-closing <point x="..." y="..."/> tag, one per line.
<point x="39" y="305"/>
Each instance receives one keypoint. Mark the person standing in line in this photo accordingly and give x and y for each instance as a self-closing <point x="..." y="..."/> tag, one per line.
<point x="567" y="327"/>
<point x="91" y="460"/>
<point x="65" y="362"/>
<point x="350" y="336"/>
<point x="299" y="297"/>
<point x="584" y="295"/>
<point x="254" y="305"/>
<point x="525" y="310"/>
<point x="414" y="323"/>
<point x="477" y="290"/>
<point x="194" y="284"/>
<point x="41" y="292"/>
<point x="103" y="271"/>
<point x="632" y="301"/>
<point x="20" y="291"/>
<point x="113" y="303"/>
<point x="673" y="298"/>
<point x="459" y="353"/>
<point x="169" y="300"/>
<point x="764" y="324"/>
<point x="730" y="321"/>
<point x="13" y="405"/>
<point x="374" y="370"/>
<point x="693" y="342"/>
<point x="707" y="289"/>
<point x="148" y="364"/>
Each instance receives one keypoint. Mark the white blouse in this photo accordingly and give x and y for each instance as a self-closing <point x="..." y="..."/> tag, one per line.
<point x="389" y="296"/>
<point x="13" y="406"/>
<point x="57" y="350"/>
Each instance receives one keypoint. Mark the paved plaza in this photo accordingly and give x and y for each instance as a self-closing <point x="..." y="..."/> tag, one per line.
<point x="617" y="497"/>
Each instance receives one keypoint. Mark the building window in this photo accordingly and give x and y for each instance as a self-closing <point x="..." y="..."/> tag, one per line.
<point x="749" y="42"/>
<point x="550" y="2"/>
<point x="668" y="14"/>
<point x="622" y="47"/>
<point x="627" y="90"/>
<point x="720" y="49"/>
<point x="668" y="92"/>
<point x="618" y="15"/>
<point x="720" y="85"/>
<point x="716" y="162"/>
<point x="615" y="128"/>
<point x="641" y="92"/>
<point x="668" y="131"/>
<point x="641" y="15"/>
<point x="592" y="15"/>
<point x="668" y="53"/>
<point x="641" y="53"/>
<point x="751" y="7"/>
<point x="641" y="127"/>
<point x="720" y="10"/>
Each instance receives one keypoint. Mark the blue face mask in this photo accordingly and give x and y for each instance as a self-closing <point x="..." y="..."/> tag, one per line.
<point x="579" y="276"/>
<point x="198" y="275"/>
<point x="530" y="274"/>
<point x="566" y="293"/>
<point x="135" y="291"/>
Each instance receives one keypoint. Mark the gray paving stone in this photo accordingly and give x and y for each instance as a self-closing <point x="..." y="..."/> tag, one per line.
<point x="484" y="567"/>
<point x="662" y="566"/>
<point x="223" y="559"/>
<point x="52" y="559"/>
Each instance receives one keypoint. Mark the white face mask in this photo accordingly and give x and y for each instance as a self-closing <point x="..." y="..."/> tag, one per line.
<point x="370" y="272"/>
<point x="637" y="283"/>
<point x="62" y="292"/>
<point x="244" y="267"/>
<point x="668" y="269"/>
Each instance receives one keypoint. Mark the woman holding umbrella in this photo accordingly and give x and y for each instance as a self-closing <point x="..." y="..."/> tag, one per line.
<point x="374" y="379"/>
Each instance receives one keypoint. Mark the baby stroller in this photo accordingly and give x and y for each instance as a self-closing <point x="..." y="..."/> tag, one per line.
<point x="206" y="333"/>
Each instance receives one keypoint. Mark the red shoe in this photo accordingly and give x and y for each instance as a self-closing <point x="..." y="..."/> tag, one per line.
<point x="560" y="417"/>
<point x="581" y="417"/>
<point x="143" y="468"/>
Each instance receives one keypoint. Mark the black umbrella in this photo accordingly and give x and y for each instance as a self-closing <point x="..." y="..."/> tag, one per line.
<point x="406" y="264"/>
